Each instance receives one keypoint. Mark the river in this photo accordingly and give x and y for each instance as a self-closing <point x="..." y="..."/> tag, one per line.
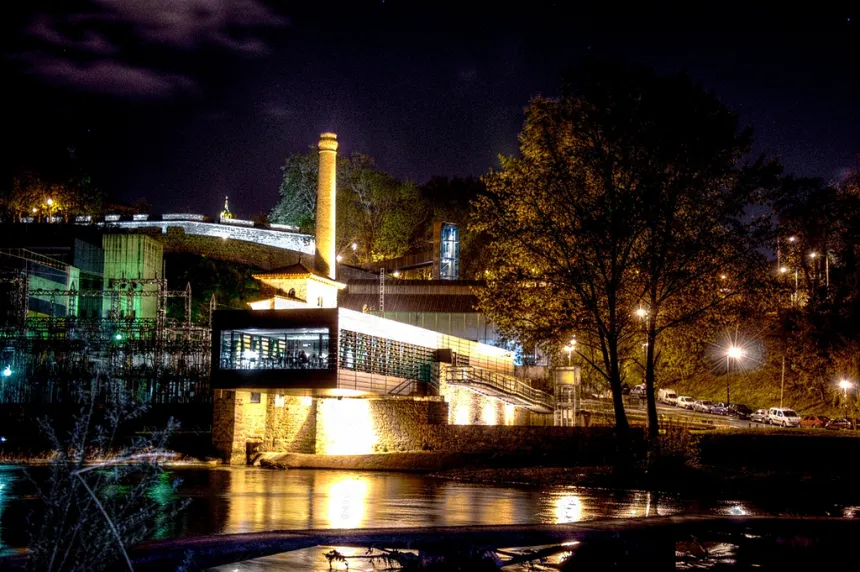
<point x="232" y="500"/>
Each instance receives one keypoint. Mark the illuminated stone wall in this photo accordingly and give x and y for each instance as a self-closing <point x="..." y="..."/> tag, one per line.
<point x="291" y="424"/>
<point x="236" y="422"/>
<point x="354" y="426"/>
<point x="280" y="239"/>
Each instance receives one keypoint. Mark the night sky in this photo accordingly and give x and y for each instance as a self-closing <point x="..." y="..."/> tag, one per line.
<point x="184" y="101"/>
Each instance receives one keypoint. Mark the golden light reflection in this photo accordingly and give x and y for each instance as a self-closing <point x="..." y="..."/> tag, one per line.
<point x="488" y="413"/>
<point x="568" y="508"/>
<point x="347" y="499"/>
<point x="461" y="412"/>
<point x="510" y="413"/>
<point x="346" y="427"/>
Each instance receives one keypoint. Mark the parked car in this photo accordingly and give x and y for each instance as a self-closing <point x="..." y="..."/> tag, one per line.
<point x="638" y="389"/>
<point x="760" y="416"/>
<point x="840" y="423"/>
<point x="703" y="406"/>
<point x="720" y="408"/>
<point x="740" y="411"/>
<point x="685" y="401"/>
<point x="667" y="396"/>
<point x="783" y="416"/>
<point x="814" y="421"/>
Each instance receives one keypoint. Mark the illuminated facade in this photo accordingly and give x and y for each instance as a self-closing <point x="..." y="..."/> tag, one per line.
<point x="299" y="372"/>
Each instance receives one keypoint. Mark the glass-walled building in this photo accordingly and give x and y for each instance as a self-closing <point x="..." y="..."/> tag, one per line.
<point x="336" y="350"/>
<point x="275" y="348"/>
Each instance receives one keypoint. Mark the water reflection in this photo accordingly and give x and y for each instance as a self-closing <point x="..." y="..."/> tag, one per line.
<point x="347" y="498"/>
<point x="568" y="508"/>
<point x="233" y="500"/>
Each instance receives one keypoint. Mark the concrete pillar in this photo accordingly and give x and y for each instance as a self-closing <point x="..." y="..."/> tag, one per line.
<point x="325" y="256"/>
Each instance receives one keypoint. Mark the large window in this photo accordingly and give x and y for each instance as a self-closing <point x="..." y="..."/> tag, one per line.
<point x="297" y="348"/>
<point x="361" y="352"/>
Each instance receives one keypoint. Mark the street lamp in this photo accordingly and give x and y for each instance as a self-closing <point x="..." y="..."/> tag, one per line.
<point x="569" y="349"/>
<point x="735" y="353"/>
<point x="641" y="312"/>
<point x="50" y="202"/>
<point x="845" y="385"/>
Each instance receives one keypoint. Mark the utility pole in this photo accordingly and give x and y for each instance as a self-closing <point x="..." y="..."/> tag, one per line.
<point x="782" y="384"/>
<point x="382" y="292"/>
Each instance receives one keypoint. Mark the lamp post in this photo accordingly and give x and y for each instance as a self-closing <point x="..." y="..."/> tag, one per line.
<point x="735" y="353"/>
<point x="845" y="385"/>
<point x="569" y="349"/>
<point x="50" y="202"/>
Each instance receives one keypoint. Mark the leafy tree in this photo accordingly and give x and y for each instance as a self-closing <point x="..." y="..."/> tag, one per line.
<point x="30" y="191"/>
<point x="821" y="300"/>
<point x="449" y="200"/>
<point x="374" y="209"/>
<point x="623" y="217"/>
<point x="298" y="191"/>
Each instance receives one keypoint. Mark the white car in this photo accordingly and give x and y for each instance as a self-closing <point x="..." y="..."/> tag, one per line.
<point x="783" y="416"/>
<point x="667" y="396"/>
<point x="685" y="401"/>
<point x="703" y="406"/>
<point x="760" y="416"/>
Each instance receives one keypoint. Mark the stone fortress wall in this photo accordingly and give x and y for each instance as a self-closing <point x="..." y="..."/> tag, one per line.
<point x="277" y="236"/>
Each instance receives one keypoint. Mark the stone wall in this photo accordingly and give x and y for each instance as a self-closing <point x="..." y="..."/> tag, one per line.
<point x="278" y="238"/>
<point x="291" y="424"/>
<point x="223" y="428"/>
<point x="237" y="424"/>
<point x="345" y="426"/>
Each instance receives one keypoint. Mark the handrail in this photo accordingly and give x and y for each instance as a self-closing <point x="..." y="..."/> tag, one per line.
<point x="505" y="383"/>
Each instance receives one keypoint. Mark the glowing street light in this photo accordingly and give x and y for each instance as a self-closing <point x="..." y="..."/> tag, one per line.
<point x="845" y="385"/>
<point x="641" y="312"/>
<point x="338" y="257"/>
<point x="354" y="246"/>
<point x="792" y="238"/>
<point x="118" y="337"/>
<point x="7" y="371"/>
<point x="569" y="349"/>
<point x="735" y="353"/>
<point x="783" y="269"/>
<point x="50" y="202"/>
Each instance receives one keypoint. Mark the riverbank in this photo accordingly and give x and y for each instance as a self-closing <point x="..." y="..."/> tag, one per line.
<point x="703" y="481"/>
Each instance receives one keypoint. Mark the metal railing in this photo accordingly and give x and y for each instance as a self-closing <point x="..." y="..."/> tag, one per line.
<point x="505" y="385"/>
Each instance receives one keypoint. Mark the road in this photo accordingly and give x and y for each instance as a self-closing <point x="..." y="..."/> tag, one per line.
<point x="636" y="406"/>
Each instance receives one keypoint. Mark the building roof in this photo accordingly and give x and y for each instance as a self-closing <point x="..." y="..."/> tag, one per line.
<point x="459" y="303"/>
<point x="297" y="270"/>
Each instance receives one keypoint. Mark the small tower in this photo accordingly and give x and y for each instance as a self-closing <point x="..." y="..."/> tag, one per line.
<point x="226" y="214"/>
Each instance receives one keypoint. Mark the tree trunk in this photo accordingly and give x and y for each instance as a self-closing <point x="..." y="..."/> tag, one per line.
<point x="651" y="402"/>
<point x="621" y="423"/>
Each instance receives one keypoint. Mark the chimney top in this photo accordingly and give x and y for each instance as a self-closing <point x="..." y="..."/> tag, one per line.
<point x="328" y="142"/>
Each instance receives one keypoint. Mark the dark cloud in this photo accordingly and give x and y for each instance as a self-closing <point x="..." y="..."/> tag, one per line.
<point x="109" y="77"/>
<point x="46" y="28"/>
<point x="191" y="23"/>
<point x="94" y="49"/>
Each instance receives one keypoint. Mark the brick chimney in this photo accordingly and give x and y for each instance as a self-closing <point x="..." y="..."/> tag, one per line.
<point x="325" y="256"/>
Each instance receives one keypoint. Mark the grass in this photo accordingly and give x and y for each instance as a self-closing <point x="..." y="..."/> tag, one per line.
<point x="757" y="392"/>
